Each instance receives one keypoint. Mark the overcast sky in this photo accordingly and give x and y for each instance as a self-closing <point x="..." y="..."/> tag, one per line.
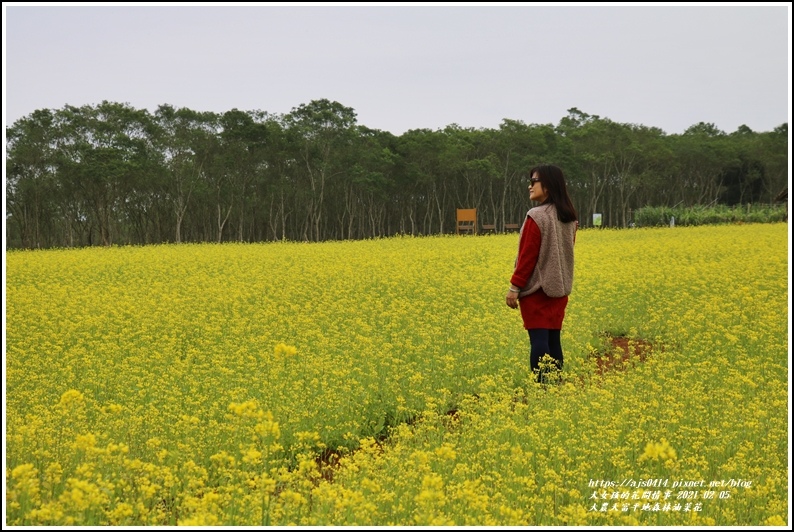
<point x="404" y="67"/>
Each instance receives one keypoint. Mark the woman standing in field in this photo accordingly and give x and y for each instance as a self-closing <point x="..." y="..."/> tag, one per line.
<point x="543" y="275"/>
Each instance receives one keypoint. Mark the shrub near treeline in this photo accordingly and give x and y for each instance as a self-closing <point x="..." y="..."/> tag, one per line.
<point x="701" y="215"/>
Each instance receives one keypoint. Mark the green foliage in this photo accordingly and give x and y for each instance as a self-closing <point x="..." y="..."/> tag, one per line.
<point x="111" y="174"/>
<point x="718" y="214"/>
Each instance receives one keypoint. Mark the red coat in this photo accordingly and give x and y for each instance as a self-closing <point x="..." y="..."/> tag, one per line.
<point x="538" y="310"/>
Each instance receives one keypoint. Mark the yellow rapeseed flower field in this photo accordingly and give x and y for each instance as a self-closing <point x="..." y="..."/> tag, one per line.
<point x="385" y="382"/>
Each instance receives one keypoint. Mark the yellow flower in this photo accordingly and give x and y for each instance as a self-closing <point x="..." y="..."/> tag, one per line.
<point x="775" y="520"/>
<point x="71" y="399"/>
<point x="267" y="427"/>
<point x="432" y="493"/>
<point x="283" y="350"/>
<point x="661" y="451"/>
<point x="112" y="408"/>
<point x="85" y="442"/>
<point x="25" y="480"/>
<point x="121" y="513"/>
<point x="248" y="409"/>
<point x="446" y="452"/>
<point x="252" y="456"/>
<point x="223" y="459"/>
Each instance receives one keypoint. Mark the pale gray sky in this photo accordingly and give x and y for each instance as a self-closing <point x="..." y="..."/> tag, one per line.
<point x="405" y="67"/>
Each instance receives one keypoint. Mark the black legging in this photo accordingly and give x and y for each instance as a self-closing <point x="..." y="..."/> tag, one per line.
<point x="543" y="341"/>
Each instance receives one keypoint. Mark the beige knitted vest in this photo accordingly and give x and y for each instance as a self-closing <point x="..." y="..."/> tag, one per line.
<point x="554" y="270"/>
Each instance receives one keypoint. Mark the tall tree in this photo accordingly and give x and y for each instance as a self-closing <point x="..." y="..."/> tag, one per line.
<point x="30" y="175"/>
<point x="103" y="150"/>
<point x="322" y="130"/>
<point x="517" y="147"/>
<point x="185" y="139"/>
<point x="244" y="139"/>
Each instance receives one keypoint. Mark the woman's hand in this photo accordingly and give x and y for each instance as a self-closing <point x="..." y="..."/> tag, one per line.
<point x="512" y="299"/>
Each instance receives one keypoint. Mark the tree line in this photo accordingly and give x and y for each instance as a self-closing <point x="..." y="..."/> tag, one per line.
<point x="111" y="174"/>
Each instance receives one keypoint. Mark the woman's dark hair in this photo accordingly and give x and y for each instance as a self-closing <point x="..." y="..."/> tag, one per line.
<point x="553" y="181"/>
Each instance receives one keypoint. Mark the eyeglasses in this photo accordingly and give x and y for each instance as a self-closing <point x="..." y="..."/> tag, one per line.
<point x="534" y="180"/>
